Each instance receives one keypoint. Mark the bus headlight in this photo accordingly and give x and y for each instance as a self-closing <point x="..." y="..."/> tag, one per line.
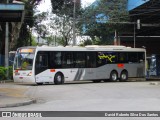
<point x="29" y="74"/>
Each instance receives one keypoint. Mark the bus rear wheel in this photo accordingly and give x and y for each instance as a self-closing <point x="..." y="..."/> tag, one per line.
<point x="114" y="76"/>
<point x="58" y="78"/>
<point x="124" y="76"/>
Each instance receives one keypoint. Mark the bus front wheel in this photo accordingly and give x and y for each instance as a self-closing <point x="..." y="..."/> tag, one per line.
<point x="114" y="76"/>
<point x="58" y="78"/>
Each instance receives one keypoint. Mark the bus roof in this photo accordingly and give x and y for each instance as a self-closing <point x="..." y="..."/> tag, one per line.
<point x="86" y="48"/>
<point x="89" y="48"/>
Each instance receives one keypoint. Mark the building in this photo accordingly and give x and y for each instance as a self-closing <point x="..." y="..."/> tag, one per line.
<point x="147" y="13"/>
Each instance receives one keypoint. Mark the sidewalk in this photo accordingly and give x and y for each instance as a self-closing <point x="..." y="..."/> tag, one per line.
<point x="13" y="95"/>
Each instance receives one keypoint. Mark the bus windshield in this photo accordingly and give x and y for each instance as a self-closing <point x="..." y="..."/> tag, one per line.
<point x="23" y="60"/>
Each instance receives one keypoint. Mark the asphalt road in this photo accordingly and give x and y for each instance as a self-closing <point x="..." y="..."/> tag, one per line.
<point x="88" y="96"/>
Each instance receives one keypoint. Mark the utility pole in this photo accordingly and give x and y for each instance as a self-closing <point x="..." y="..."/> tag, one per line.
<point x="134" y="35"/>
<point x="74" y="20"/>
<point x="115" y="38"/>
<point x="6" y="46"/>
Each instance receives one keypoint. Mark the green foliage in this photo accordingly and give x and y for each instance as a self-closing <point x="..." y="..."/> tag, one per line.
<point x="33" y="41"/>
<point x="86" y="42"/>
<point x="61" y="41"/>
<point x="64" y="18"/>
<point x="102" y="19"/>
<point x="3" y="73"/>
<point x="10" y="72"/>
<point x="25" y="33"/>
<point x="41" y="29"/>
<point x="62" y="7"/>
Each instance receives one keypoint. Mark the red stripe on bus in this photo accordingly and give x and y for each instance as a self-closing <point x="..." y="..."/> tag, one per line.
<point x="52" y="70"/>
<point x="120" y="65"/>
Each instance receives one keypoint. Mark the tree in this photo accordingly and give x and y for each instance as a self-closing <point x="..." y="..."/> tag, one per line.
<point x="63" y="9"/>
<point x="39" y="24"/>
<point x="86" y="42"/>
<point x="19" y="32"/>
<point x="103" y="18"/>
<point x="25" y="38"/>
<point x="63" y="27"/>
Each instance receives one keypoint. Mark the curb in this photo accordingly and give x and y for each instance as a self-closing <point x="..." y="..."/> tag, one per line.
<point x="18" y="104"/>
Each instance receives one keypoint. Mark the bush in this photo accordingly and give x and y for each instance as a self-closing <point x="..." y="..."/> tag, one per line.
<point x="10" y="74"/>
<point x="3" y="73"/>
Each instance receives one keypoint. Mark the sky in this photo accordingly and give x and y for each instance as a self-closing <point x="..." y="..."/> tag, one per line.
<point x="134" y="3"/>
<point x="46" y="5"/>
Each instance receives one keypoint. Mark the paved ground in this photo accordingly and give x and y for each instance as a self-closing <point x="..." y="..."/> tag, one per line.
<point x="117" y="96"/>
<point x="83" y="96"/>
<point x="13" y="95"/>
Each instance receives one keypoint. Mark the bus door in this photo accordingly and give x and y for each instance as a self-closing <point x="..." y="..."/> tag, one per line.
<point x="41" y="68"/>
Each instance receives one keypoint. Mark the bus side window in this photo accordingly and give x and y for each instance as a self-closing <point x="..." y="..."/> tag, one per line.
<point x="57" y="59"/>
<point x="79" y="60"/>
<point x="122" y="57"/>
<point x="133" y="57"/>
<point x="67" y="60"/>
<point x="42" y="60"/>
<point x="91" y="59"/>
<point x="141" y="57"/>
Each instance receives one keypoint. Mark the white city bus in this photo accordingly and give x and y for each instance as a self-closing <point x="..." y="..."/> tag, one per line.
<point x="59" y="64"/>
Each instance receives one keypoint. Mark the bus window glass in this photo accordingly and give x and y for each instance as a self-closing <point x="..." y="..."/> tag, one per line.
<point x="56" y="59"/>
<point x="67" y="60"/>
<point x="42" y="60"/>
<point x="23" y="60"/>
<point x="122" y="57"/>
<point x="141" y="57"/>
<point x="132" y="57"/>
<point x="91" y="59"/>
<point x="79" y="59"/>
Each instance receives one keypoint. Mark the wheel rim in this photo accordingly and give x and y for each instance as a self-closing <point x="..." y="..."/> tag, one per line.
<point x="114" y="76"/>
<point x="123" y="76"/>
<point x="59" y="78"/>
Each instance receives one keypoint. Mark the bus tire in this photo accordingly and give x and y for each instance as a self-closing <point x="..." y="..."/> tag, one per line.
<point x="124" y="76"/>
<point x="59" y="78"/>
<point x="39" y="83"/>
<point x="96" y="81"/>
<point x="114" y="76"/>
